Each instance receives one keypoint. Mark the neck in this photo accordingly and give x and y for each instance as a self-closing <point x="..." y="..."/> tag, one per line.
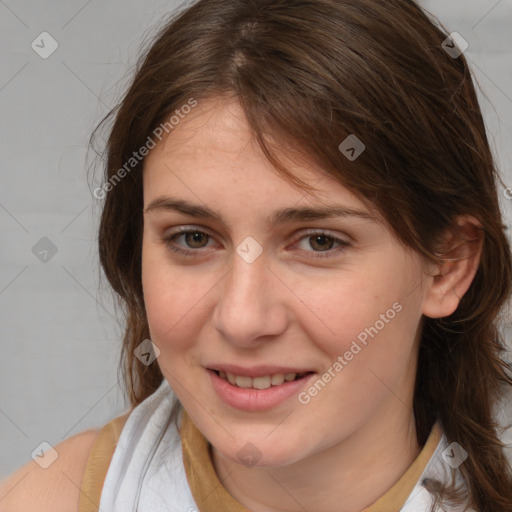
<point x="347" y="477"/>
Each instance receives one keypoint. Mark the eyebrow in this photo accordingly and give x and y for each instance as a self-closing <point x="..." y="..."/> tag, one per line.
<point x="278" y="217"/>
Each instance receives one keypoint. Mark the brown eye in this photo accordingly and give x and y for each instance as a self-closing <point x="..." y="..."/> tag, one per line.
<point x="196" y="239"/>
<point x="188" y="241"/>
<point x="321" y="242"/>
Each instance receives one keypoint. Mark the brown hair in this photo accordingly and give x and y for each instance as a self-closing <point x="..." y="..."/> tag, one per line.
<point x="311" y="73"/>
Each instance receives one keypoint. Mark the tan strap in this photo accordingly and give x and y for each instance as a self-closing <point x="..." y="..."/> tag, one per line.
<point x="396" y="497"/>
<point x="98" y="463"/>
<point x="207" y="490"/>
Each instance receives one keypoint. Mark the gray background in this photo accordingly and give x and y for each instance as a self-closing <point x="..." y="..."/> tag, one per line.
<point x="60" y="339"/>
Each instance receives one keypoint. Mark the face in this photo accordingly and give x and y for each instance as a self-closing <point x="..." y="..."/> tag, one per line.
<point x="234" y="289"/>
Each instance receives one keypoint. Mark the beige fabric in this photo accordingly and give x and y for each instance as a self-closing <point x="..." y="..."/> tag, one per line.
<point x="97" y="464"/>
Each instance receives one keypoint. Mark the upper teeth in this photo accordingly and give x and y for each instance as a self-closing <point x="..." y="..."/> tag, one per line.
<point x="263" y="382"/>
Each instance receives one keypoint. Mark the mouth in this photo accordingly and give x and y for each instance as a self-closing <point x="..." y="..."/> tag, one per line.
<point x="260" y="382"/>
<point x="258" y="388"/>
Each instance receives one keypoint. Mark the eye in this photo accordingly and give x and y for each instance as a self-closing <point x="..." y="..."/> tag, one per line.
<point x="193" y="239"/>
<point x="315" y="243"/>
<point x="322" y="242"/>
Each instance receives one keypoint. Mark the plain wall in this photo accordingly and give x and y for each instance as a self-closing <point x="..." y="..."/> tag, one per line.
<point x="59" y="336"/>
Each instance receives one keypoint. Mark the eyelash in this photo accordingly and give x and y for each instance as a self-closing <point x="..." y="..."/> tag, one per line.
<point x="169" y="242"/>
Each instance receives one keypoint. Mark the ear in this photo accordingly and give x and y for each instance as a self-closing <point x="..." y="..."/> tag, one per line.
<point x="461" y="248"/>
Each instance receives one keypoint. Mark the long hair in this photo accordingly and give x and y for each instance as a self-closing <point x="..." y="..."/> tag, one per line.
<point x="312" y="73"/>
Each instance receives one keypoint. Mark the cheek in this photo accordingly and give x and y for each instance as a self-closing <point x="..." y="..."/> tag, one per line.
<point x="369" y="318"/>
<point x="338" y="310"/>
<point x="172" y="300"/>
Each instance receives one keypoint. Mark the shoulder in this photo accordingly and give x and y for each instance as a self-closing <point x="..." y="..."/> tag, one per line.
<point x="56" y="488"/>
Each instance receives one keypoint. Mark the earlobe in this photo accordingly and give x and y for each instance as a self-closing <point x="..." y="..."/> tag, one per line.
<point x="461" y="249"/>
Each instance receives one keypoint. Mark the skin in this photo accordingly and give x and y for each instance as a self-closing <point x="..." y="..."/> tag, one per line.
<point x="287" y="307"/>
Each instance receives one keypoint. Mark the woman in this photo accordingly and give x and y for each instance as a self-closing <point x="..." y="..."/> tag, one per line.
<point x="301" y="219"/>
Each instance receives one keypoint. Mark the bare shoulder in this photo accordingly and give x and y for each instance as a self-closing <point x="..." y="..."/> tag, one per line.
<point x="56" y="488"/>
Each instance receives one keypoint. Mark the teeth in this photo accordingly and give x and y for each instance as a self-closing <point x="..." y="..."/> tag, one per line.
<point x="263" y="382"/>
<point x="277" y="379"/>
<point x="243" y="382"/>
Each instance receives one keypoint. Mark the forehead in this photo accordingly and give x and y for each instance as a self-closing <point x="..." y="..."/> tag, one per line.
<point x="213" y="150"/>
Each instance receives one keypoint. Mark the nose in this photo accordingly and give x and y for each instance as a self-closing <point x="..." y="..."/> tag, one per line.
<point x="250" y="308"/>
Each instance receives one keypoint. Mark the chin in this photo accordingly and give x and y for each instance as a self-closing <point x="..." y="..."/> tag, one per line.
<point x="261" y="454"/>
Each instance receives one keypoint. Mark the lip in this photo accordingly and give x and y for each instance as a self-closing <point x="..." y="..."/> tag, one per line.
<point x="256" y="371"/>
<point x="254" y="400"/>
